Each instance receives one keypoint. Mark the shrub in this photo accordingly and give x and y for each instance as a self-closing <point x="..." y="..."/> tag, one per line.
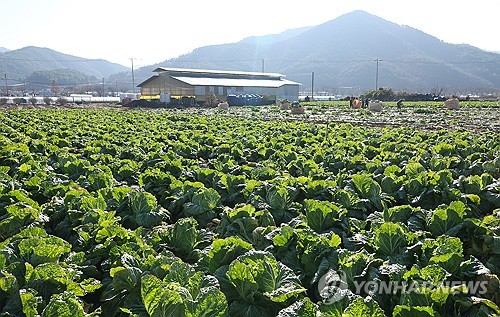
<point x="61" y="101"/>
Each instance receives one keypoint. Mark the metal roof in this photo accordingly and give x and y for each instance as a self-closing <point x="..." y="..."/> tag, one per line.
<point x="215" y="72"/>
<point x="234" y="82"/>
<point x="148" y="80"/>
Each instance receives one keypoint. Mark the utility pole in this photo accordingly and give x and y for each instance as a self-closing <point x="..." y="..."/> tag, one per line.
<point x="6" y="88"/>
<point x="262" y="65"/>
<point x="133" y="79"/>
<point x="376" y="75"/>
<point x="103" y="88"/>
<point x="312" y="86"/>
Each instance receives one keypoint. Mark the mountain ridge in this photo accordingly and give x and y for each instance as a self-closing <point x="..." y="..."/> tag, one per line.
<point x="344" y="52"/>
<point x="357" y="50"/>
<point x="23" y="63"/>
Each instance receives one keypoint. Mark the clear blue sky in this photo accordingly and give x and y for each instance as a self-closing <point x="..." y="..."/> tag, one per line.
<point x="154" y="30"/>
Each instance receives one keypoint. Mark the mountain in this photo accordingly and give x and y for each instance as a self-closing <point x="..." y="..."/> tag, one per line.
<point x="272" y="38"/>
<point x="3" y="50"/>
<point x="38" y="62"/>
<point x="345" y="52"/>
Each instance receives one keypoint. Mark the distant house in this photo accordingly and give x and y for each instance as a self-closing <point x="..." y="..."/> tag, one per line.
<point x="202" y="85"/>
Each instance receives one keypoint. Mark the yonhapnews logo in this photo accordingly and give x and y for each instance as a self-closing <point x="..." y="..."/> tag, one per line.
<point x="333" y="286"/>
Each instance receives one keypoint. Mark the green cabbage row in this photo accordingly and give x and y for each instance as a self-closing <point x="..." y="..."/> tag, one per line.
<point x="130" y="213"/>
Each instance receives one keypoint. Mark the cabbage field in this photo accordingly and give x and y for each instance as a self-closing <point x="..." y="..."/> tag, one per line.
<point x="250" y="212"/>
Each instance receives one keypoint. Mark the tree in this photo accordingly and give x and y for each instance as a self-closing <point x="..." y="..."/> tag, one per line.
<point x="437" y="91"/>
<point x="61" y="101"/>
<point x="380" y="94"/>
<point x="54" y="87"/>
<point x="33" y="101"/>
<point x="211" y="100"/>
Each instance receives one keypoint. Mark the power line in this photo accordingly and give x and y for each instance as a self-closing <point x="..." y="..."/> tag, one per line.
<point x="441" y="62"/>
<point x="257" y="60"/>
<point x="84" y="60"/>
<point x="339" y="61"/>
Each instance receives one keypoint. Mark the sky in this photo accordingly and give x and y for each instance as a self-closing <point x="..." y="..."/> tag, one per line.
<point x="151" y="31"/>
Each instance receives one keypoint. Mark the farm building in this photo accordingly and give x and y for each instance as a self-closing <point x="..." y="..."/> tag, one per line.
<point x="202" y="85"/>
